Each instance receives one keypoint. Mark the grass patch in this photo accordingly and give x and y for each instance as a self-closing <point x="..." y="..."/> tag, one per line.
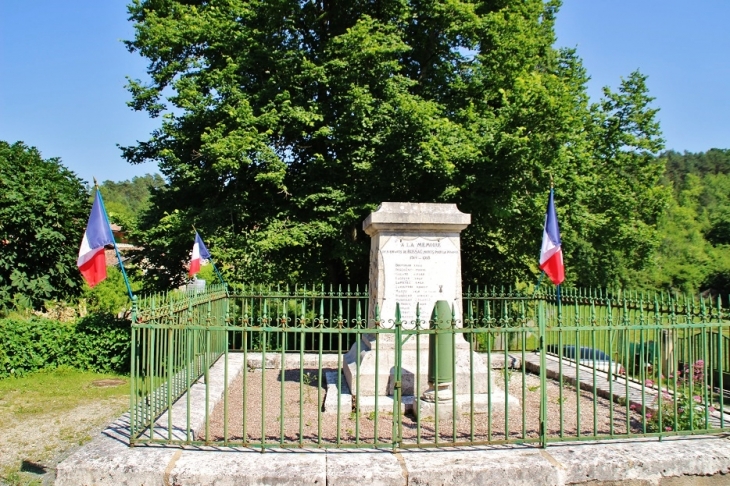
<point x="51" y="392"/>
<point x="45" y="414"/>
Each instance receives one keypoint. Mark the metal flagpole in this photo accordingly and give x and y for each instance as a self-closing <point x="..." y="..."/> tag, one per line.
<point x="210" y="259"/>
<point x="116" y="250"/>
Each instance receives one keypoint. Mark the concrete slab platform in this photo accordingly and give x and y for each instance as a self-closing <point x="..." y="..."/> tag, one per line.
<point x="108" y="460"/>
<point x="479" y="466"/>
<point x="643" y="460"/>
<point x="384" y="404"/>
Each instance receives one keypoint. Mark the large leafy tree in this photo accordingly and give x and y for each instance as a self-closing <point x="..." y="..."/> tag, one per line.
<point x="613" y="233"/>
<point x="43" y="212"/>
<point x="284" y="123"/>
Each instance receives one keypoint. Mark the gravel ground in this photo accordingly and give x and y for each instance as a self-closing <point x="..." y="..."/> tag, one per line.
<point x="265" y="390"/>
<point x="35" y="444"/>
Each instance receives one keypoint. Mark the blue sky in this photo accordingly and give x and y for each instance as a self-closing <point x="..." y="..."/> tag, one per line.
<point x="63" y="68"/>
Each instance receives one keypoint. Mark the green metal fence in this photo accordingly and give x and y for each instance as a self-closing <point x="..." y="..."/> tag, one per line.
<point x="585" y="366"/>
<point x="176" y="337"/>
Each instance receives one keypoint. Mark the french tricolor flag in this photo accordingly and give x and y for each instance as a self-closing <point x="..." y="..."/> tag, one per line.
<point x="98" y="234"/>
<point x="200" y="252"/>
<point x="551" y="253"/>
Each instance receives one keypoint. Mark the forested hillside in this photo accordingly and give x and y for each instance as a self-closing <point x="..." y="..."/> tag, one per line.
<point x="126" y="201"/>
<point x="694" y="230"/>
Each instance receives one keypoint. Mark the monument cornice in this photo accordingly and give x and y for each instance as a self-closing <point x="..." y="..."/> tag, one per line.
<point x="417" y="218"/>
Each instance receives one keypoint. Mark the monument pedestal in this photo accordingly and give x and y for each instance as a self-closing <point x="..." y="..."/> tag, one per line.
<point x="498" y="399"/>
<point x="486" y="382"/>
<point x="414" y="361"/>
<point x="415" y="260"/>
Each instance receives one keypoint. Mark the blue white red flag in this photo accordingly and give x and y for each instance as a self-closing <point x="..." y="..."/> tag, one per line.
<point x="200" y="252"/>
<point x="98" y="234"/>
<point x="551" y="253"/>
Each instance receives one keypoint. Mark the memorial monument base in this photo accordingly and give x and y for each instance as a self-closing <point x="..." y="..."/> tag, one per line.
<point x="486" y="385"/>
<point x="381" y="364"/>
<point x="411" y="404"/>
<point x="437" y="404"/>
<point x="426" y="409"/>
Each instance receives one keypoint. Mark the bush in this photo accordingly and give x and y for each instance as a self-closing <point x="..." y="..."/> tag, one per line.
<point x="687" y="400"/>
<point x="690" y="414"/>
<point x="110" y="296"/>
<point x="98" y="342"/>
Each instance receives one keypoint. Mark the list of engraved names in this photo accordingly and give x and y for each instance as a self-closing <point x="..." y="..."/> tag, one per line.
<point x="418" y="271"/>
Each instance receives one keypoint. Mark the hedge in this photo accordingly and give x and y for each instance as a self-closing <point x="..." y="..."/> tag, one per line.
<point x="97" y="343"/>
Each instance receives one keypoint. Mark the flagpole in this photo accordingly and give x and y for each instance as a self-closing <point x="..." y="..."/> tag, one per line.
<point x="551" y="249"/>
<point x="552" y="188"/>
<point x="557" y="294"/>
<point x="542" y="274"/>
<point x="210" y="259"/>
<point x="116" y="250"/>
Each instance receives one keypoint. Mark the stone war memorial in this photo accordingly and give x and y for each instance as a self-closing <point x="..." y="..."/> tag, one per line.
<point x="222" y="394"/>
<point x="415" y="261"/>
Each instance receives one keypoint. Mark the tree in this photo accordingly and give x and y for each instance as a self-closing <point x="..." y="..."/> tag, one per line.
<point x="125" y="201"/>
<point x="43" y="213"/>
<point x="685" y="259"/>
<point x="615" y="236"/>
<point x="283" y="124"/>
<point x="714" y="161"/>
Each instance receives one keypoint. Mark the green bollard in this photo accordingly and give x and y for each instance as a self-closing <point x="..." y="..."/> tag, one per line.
<point x="441" y="367"/>
<point x="436" y="402"/>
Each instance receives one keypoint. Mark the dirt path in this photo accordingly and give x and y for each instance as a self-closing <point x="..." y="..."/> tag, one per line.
<point x="32" y="445"/>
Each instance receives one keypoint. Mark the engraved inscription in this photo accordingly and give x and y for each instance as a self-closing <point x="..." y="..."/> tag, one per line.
<point x="418" y="271"/>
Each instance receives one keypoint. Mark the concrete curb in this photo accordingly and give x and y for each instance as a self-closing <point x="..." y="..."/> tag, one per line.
<point x="108" y="460"/>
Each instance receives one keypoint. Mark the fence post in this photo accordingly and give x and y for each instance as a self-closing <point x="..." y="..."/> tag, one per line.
<point x="169" y="382"/>
<point x="721" y="370"/>
<point x="398" y="378"/>
<point x="543" y="375"/>
<point x="133" y="384"/>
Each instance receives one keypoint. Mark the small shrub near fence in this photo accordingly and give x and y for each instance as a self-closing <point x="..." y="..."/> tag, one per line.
<point x="97" y="343"/>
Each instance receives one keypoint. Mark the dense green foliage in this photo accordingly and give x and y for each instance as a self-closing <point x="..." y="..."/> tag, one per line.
<point x="695" y="228"/>
<point x="111" y="295"/>
<point x="283" y="124"/>
<point x="99" y="342"/>
<point x="43" y="213"/>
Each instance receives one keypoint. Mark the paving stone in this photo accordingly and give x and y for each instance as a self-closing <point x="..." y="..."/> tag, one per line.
<point x="249" y="468"/>
<point x="475" y="466"/>
<point x="359" y="468"/>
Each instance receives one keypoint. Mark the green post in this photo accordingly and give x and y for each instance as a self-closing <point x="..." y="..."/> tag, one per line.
<point x="397" y="388"/>
<point x="441" y="362"/>
<point x="541" y="326"/>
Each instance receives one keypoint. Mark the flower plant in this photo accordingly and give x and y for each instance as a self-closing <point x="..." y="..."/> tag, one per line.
<point x="683" y="410"/>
